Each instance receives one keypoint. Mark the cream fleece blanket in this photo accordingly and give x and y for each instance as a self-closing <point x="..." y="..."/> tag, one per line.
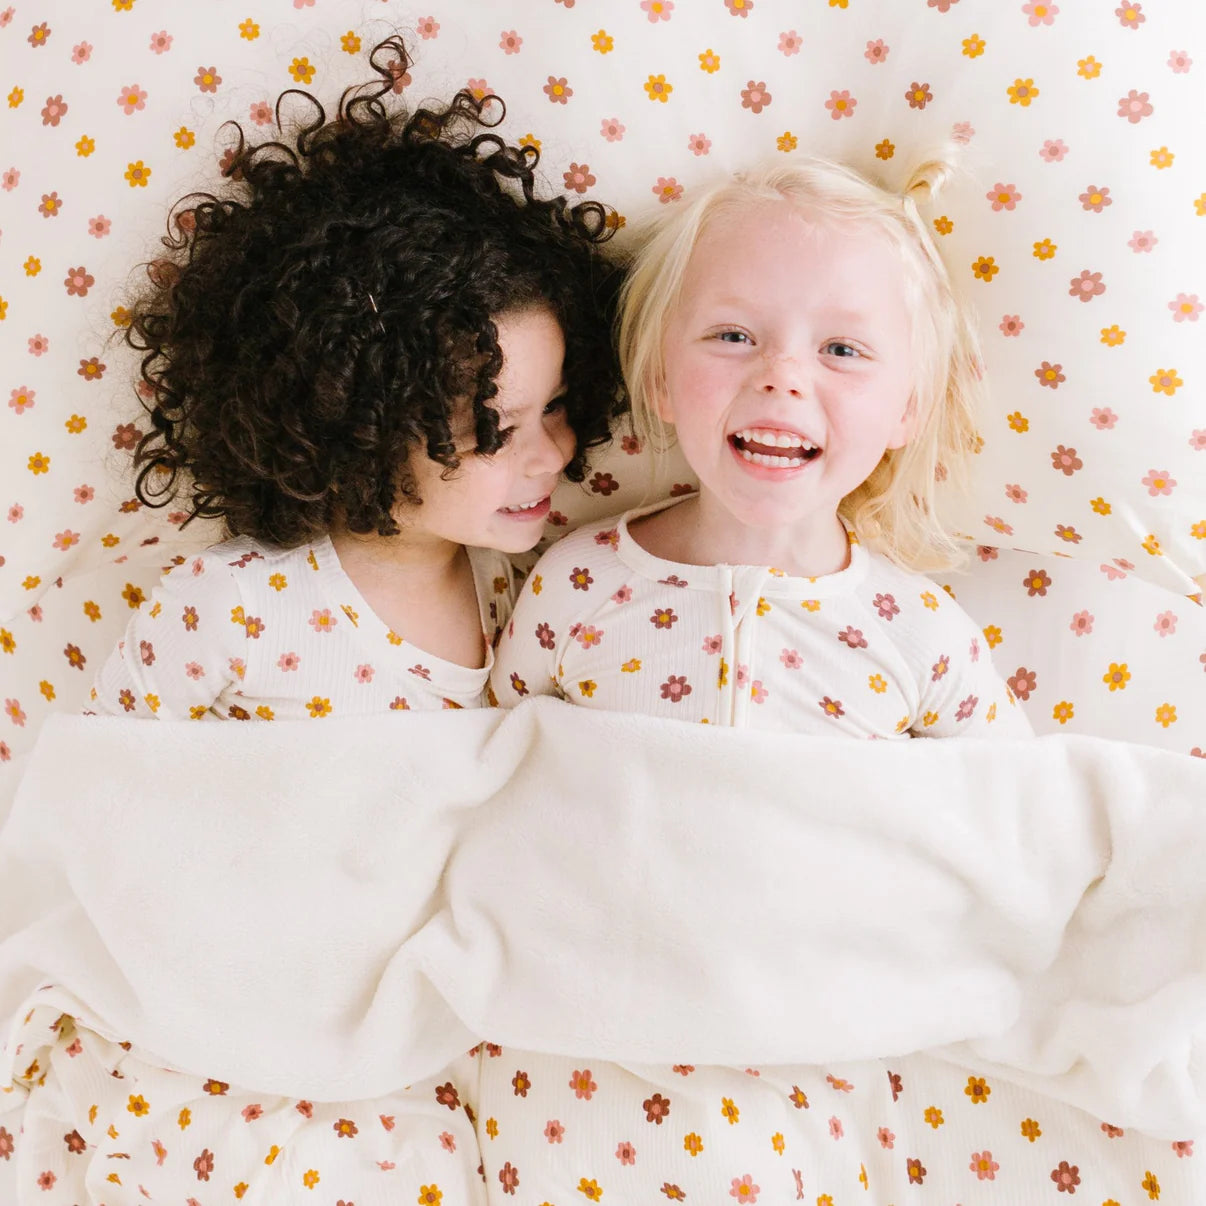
<point x="332" y="913"/>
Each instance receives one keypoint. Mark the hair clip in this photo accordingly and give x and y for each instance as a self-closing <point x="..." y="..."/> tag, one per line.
<point x="373" y="303"/>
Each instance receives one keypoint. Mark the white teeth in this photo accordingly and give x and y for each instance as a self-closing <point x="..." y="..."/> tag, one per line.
<point x="524" y="506"/>
<point x="765" y="458"/>
<point x="774" y="439"/>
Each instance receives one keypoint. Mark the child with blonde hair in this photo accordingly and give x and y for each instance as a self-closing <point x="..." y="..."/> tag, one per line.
<point x="797" y="330"/>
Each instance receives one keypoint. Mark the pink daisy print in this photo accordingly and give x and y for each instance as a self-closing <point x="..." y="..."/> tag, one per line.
<point x="886" y="1138"/>
<point x="876" y="52"/>
<point x="1179" y="61"/>
<point x="1142" y="241"/>
<point x="1185" y="307"/>
<point x="1135" y="106"/>
<point x="1003" y="196"/>
<point x="39" y="345"/>
<point x="194" y="670"/>
<point x="509" y="42"/>
<point x="739" y="8"/>
<point x="1011" y="325"/>
<point x="480" y="88"/>
<point x="99" y="226"/>
<point x="699" y="144"/>
<point x="22" y="399"/>
<point x="80" y="53"/>
<point x="10" y="180"/>
<point x="322" y="621"/>
<point x="84" y="494"/>
<point x="1166" y="624"/>
<point x="744" y="1189"/>
<point x="161" y="42"/>
<point x="288" y="661"/>
<point x="1103" y="418"/>
<point x="364" y="674"/>
<point x="918" y="95"/>
<point x="261" y="113"/>
<point x="553" y="1130"/>
<point x="1015" y="493"/>
<point x="712" y="644"/>
<point x="791" y="659"/>
<point x="657" y="10"/>
<point x="790" y="43"/>
<point x="1082" y="623"/>
<point x="612" y="130"/>
<point x="1130" y="15"/>
<point x="1087" y="286"/>
<point x="132" y="99"/>
<point x="428" y="28"/>
<point x="1095" y="199"/>
<point x="1053" y="150"/>
<point x="1197" y="440"/>
<point x="1040" y="13"/>
<point x="1159" y="482"/>
<point x="984" y="1166"/>
<point x="758" y="692"/>
<point x="667" y="189"/>
<point x="840" y="104"/>
<point x="963" y="132"/>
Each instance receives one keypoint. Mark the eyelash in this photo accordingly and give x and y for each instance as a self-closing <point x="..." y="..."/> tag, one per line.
<point x="505" y="433"/>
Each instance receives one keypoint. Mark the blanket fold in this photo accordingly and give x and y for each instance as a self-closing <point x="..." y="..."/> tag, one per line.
<point x="335" y="919"/>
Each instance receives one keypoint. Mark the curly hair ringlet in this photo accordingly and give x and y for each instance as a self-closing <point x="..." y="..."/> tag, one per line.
<point x="333" y="311"/>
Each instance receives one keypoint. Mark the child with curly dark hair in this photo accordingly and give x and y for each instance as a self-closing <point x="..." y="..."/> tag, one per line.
<point x="373" y="358"/>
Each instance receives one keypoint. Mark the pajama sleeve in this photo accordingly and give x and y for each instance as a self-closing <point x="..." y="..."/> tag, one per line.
<point x="962" y="692"/>
<point x="526" y="660"/>
<point x="183" y="648"/>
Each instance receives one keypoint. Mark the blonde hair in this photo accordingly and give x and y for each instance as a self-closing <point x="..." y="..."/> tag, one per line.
<point x="895" y="509"/>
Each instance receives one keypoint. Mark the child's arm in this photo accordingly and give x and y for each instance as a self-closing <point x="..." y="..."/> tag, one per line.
<point x="962" y="693"/>
<point x="184" y="646"/>
<point x="526" y="661"/>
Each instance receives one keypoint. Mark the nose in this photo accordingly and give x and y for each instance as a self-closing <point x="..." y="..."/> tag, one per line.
<point x="780" y="373"/>
<point x="552" y="448"/>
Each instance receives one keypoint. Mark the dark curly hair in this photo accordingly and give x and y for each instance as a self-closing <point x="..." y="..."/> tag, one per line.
<point x="331" y="313"/>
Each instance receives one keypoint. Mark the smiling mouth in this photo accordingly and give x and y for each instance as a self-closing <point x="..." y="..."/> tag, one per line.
<point x="537" y="505"/>
<point x="773" y="449"/>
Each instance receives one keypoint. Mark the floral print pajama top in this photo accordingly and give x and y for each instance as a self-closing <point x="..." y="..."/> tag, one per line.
<point x="245" y="631"/>
<point x="871" y="651"/>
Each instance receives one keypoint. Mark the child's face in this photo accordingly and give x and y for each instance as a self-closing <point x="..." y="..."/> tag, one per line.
<point x="788" y="365"/>
<point x="501" y="501"/>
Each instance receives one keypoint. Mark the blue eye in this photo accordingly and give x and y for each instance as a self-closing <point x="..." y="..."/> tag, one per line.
<point x="732" y="337"/>
<point x="846" y="352"/>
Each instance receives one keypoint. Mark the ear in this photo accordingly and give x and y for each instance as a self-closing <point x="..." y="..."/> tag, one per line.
<point x="906" y="426"/>
<point x="663" y="407"/>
